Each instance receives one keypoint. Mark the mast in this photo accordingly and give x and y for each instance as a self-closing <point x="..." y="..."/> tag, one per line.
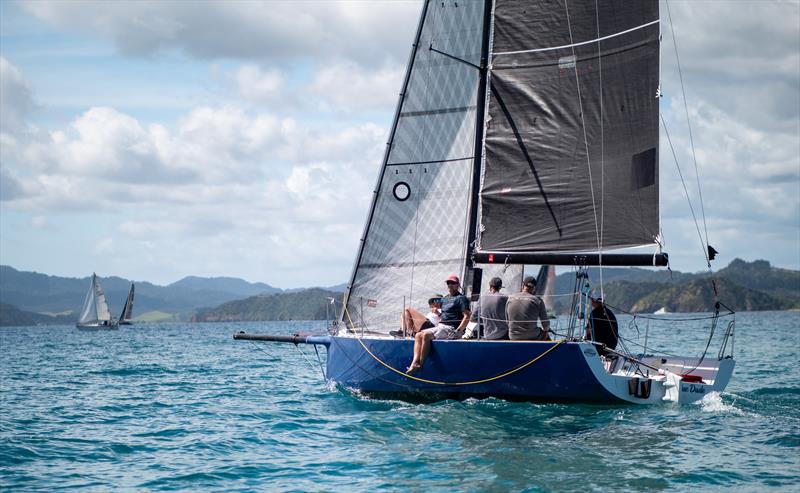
<point x="409" y="67"/>
<point x="479" y="133"/>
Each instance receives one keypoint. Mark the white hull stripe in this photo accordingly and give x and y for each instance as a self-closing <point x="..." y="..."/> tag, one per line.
<point x="596" y="40"/>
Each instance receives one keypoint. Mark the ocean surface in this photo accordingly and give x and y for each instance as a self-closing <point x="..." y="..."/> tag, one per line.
<point x="184" y="407"/>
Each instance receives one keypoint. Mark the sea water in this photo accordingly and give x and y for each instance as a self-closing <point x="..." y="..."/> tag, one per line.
<point x="184" y="407"/>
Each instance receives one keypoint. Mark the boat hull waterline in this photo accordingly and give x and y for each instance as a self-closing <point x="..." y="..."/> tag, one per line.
<point x="514" y="370"/>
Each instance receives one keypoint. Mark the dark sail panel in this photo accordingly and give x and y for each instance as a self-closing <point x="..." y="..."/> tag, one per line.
<point x="539" y="190"/>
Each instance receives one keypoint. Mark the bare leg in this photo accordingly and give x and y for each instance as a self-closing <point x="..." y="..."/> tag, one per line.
<point x="419" y="342"/>
<point x="425" y="346"/>
<point x="413" y="321"/>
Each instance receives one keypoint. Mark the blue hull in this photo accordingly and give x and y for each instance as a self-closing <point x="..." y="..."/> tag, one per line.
<point x="462" y="369"/>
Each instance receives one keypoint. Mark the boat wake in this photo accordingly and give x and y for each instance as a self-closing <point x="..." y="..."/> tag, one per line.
<point x="713" y="403"/>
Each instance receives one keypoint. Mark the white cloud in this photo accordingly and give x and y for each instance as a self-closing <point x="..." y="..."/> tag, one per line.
<point x="10" y="186"/>
<point x="274" y="177"/>
<point x="259" y="86"/>
<point x="39" y="222"/>
<point x="743" y="57"/>
<point x="369" y="32"/>
<point x="16" y="102"/>
<point x="348" y="87"/>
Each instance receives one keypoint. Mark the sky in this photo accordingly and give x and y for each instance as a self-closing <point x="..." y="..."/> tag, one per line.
<point x="157" y="140"/>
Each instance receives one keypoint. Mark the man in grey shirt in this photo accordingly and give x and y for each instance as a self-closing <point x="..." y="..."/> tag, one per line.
<point x="492" y="308"/>
<point x="523" y="310"/>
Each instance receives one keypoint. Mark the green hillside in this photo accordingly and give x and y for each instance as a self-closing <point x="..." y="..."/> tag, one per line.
<point x="11" y="316"/>
<point x="692" y="296"/>
<point x="311" y="304"/>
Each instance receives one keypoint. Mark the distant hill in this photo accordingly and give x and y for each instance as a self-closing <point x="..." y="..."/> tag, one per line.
<point x="310" y="304"/>
<point x="13" y="316"/>
<point x="41" y="293"/>
<point x="223" y="284"/>
<point x="760" y="275"/>
<point x="693" y="296"/>
<point x="741" y="285"/>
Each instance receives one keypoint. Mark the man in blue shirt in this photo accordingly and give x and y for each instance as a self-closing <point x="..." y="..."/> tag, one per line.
<point x="455" y="317"/>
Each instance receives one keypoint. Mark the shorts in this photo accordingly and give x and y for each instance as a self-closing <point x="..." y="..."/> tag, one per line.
<point x="443" y="331"/>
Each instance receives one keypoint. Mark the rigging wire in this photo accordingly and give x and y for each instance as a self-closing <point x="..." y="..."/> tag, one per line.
<point x="585" y="137"/>
<point x="686" y="191"/>
<point x="688" y="124"/>
<point x="602" y="148"/>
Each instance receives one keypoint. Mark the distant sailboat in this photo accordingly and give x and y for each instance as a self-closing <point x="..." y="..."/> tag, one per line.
<point x="126" y="318"/>
<point x="95" y="313"/>
<point x="661" y="311"/>
<point x="546" y="287"/>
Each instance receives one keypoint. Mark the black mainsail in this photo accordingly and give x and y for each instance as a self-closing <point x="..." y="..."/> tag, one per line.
<point x="126" y="318"/>
<point x="571" y="145"/>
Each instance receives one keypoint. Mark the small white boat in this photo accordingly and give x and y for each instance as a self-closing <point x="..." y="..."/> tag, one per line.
<point x="95" y="314"/>
<point x="661" y="311"/>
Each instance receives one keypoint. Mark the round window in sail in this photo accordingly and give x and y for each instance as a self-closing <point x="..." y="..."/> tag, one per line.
<point x="401" y="191"/>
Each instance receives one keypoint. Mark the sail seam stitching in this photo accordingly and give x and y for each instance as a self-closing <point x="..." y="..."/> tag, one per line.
<point x="573" y="45"/>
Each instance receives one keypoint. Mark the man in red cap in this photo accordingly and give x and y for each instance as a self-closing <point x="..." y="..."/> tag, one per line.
<point x="455" y="317"/>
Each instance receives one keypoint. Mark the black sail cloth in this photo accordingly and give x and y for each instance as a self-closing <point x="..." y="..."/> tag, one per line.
<point x="539" y="192"/>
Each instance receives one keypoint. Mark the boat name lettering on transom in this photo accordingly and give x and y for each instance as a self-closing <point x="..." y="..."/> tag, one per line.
<point x="694" y="389"/>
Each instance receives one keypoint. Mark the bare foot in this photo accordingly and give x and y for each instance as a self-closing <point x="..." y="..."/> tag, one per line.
<point x="413" y="368"/>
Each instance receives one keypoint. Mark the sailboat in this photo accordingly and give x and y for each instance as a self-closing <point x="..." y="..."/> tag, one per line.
<point x="95" y="313"/>
<point x="126" y="317"/>
<point x="526" y="134"/>
<point x="546" y="287"/>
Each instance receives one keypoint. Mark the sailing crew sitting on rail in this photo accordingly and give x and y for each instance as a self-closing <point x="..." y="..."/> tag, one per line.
<point x="602" y="326"/>
<point x="455" y="317"/>
<point x="492" y="312"/>
<point x="522" y="311"/>
<point x="413" y="321"/>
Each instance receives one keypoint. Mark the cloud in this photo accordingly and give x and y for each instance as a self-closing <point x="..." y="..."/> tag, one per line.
<point x="348" y="87"/>
<point x="260" y="86"/>
<point x="278" y="31"/>
<point x="743" y="60"/>
<point x="39" y="222"/>
<point x="16" y="101"/>
<point x="271" y="179"/>
<point x="224" y="186"/>
<point x="10" y="187"/>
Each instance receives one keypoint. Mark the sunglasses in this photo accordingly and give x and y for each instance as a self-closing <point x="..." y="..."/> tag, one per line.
<point x="450" y="282"/>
